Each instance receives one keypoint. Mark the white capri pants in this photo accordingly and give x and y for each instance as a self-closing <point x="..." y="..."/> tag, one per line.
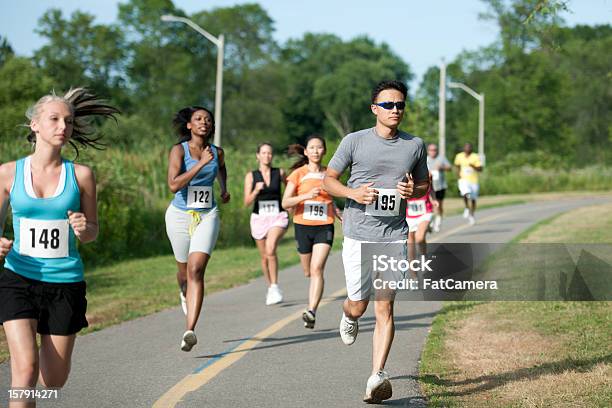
<point x="204" y="235"/>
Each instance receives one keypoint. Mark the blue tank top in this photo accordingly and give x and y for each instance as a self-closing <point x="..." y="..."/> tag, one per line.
<point x="205" y="177"/>
<point x="35" y="221"/>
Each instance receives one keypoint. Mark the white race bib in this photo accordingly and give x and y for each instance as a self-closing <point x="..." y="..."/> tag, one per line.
<point x="315" y="211"/>
<point x="416" y="208"/>
<point x="386" y="205"/>
<point x="435" y="175"/>
<point x="467" y="170"/>
<point x="43" y="238"/>
<point x="268" y="207"/>
<point x="199" y="197"/>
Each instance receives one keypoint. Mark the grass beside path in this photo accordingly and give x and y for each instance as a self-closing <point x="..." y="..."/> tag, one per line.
<point x="526" y="354"/>
<point x="139" y="287"/>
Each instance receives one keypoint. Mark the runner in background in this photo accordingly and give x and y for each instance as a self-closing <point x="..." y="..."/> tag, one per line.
<point x="262" y="188"/>
<point x="437" y="165"/>
<point x="313" y="217"/>
<point x="419" y="212"/>
<point x="192" y="218"/>
<point x="53" y="203"/>
<point x="468" y="165"/>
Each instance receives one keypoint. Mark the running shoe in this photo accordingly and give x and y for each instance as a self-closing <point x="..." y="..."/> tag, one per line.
<point x="309" y="319"/>
<point x="348" y="330"/>
<point x="274" y="295"/>
<point x="466" y="213"/>
<point x="471" y="220"/>
<point x="183" y="302"/>
<point x="189" y="340"/>
<point x="378" y="388"/>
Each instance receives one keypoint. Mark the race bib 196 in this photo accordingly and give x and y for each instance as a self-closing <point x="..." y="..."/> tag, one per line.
<point x="199" y="197"/>
<point x="43" y="238"/>
<point x="268" y="207"/>
<point x="315" y="211"/>
<point x="386" y="205"/>
<point x="416" y="208"/>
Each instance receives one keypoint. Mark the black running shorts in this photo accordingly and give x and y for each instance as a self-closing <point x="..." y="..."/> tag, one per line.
<point x="440" y="194"/>
<point x="308" y="235"/>
<point x="59" y="308"/>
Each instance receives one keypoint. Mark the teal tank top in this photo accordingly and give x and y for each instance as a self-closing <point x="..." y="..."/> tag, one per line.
<point x="45" y="246"/>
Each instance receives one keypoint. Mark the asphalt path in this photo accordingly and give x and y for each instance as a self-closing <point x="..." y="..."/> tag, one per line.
<point x="252" y="355"/>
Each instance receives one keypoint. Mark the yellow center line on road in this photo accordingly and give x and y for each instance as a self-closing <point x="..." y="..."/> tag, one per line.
<point x="194" y="381"/>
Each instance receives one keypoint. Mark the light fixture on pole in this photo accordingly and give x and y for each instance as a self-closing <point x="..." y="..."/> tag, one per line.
<point x="480" y="99"/>
<point x="219" y="42"/>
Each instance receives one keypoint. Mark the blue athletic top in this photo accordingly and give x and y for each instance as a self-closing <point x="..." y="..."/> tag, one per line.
<point x="205" y="177"/>
<point x="27" y="209"/>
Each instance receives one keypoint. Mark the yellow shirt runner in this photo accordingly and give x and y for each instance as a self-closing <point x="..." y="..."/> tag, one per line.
<point x="467" y="172"/>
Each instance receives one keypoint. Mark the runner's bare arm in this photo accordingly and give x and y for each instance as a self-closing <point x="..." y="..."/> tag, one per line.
<point x="363" y="194"/>
<point x="290" y="200"/>
<point x="176" y="180"/>
<point x="85" y="222"/>
<point x="7" y="173"/>
<point x="250" y="193"/>
<point x="222" y="176"/>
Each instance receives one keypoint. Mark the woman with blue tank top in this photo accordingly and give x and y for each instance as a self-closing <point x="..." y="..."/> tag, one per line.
<point x="192" y="218"/>
<point x="53" y="203"/>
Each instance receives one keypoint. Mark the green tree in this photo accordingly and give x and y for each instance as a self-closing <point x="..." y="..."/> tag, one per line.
<point x="6" y="51"/>
<point x="22" y="84"/>
<point x="81" y="53"/>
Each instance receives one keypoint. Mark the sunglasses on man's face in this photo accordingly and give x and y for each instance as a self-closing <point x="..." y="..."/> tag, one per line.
<point x="390" y="105"/>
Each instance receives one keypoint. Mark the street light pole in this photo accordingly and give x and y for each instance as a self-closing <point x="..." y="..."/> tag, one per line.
<point x="480" y="99"/>
<point x="220" y="43"/>
<point x="442" y="111"/>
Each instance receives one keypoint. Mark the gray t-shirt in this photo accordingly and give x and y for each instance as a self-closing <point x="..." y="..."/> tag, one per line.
<point x="384" y="162"/>
<point x="438" y="179"/>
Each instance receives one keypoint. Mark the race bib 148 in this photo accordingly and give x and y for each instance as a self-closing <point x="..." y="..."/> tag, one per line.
<point x="43" y="238"/>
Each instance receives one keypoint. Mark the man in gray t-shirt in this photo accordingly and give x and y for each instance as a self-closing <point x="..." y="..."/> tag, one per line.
<point x="387" y="166"/>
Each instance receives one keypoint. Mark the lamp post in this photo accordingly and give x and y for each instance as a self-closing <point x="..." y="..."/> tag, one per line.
<point x="219" y="42"/>
<point x="480" y="99"/>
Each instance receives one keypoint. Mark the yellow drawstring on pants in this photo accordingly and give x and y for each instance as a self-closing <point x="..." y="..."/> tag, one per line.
<point x="195" y="221"/>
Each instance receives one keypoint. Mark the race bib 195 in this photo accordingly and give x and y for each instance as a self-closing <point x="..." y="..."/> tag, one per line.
<point x="387" y="203"/>
<point x="43" y="238"/>
<point x="199" y="197"/>
<point x="268" y="207"/>
<point x="315" y="211"/>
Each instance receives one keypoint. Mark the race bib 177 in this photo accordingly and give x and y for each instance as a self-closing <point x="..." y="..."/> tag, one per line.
<point x="268" y="207"/>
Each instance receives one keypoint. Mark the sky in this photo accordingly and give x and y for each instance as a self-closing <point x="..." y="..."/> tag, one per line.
<point x="421" y="32"/>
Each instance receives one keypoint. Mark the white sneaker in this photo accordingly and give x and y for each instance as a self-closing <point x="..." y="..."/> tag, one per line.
<point x="189" y="340"/>
<point x="183" y="302"/>
<point x="471" y="220"/>
<point x="348" y="330"/>
<point x="274" y="295"/>
<point x="466" y="213"/>
<point x="378" y="388"/>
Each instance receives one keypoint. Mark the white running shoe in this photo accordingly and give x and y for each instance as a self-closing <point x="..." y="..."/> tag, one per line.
<point x="471" y="220"/>
<point x="274" y="295"/>
<point x="183" y="302"/>
<point x="189" y="340"/>
<point x="348" y="330"/>
<point x="466" y="213"/>
<point x="378" y="388"/>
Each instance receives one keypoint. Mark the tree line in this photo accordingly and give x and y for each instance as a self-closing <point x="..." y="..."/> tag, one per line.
<point x="547" y="86"/>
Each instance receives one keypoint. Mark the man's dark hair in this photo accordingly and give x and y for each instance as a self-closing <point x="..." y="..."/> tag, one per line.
<point x="397" y="85"/>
